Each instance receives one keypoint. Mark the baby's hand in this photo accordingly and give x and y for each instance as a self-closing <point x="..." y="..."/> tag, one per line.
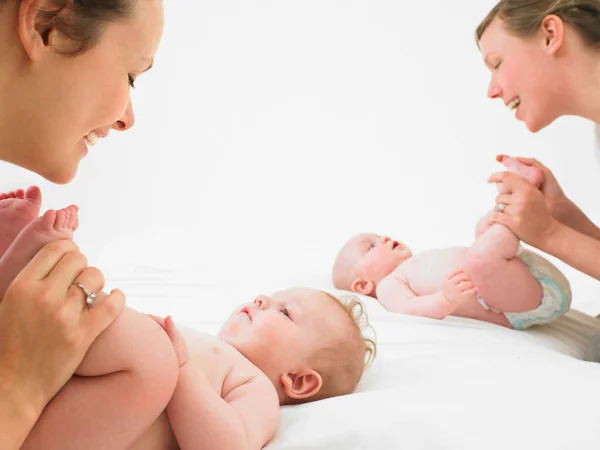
<point x="176" y="337"/>
<point x="458" y="288"/>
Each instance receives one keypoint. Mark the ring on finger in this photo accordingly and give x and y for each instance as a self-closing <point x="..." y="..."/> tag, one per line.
<point x="500" y="207"/>
<point x="90" y="297"/>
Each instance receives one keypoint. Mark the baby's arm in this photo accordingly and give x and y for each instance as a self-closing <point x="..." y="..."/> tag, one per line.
<point x="244" y="418"/>
<point x="396" y="296"/>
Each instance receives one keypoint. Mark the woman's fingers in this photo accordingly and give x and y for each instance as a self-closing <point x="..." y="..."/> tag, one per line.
<point x="511" y="180"/>
<point x="67" y="270"/>
<point x="98" y="318"/>
<point x="46" y="259"/>
<point x="92" y="279"/>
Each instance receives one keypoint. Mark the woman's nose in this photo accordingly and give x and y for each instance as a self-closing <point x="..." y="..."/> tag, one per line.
<point x="127" y="120"/>
<point x="493" y="90"/>
<point x="384" y="239"/>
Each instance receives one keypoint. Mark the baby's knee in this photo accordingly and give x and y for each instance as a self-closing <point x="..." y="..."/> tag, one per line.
<point x="153" y="365"/>
<point x="159" y="368"/>
<point x="478" y="263"/>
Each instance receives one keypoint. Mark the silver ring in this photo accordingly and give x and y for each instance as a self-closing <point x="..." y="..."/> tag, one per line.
<point x="90" y="297"/>
<point x="500" y="207"/>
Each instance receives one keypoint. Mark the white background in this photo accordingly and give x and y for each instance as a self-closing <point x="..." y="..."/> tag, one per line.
<point x="270" y="131"/>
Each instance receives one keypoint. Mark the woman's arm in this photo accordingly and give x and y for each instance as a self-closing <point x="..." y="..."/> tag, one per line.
<point x="573" y="217"/>
<point x="576" y="249"/>
<point x="19" y="410"/>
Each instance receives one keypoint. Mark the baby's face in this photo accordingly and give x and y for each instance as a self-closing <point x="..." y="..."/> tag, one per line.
<point x="279" y="334"/>
<point x="374" y="257"/>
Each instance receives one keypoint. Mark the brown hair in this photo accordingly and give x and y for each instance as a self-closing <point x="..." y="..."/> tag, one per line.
<point x="524" y="17"/>
<point x="342" y="362"/>
<point x="84" y="21"/>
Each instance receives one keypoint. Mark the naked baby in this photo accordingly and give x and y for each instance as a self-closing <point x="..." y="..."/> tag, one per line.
<point x="146" y="385"/>
<point x="494" y="280"/>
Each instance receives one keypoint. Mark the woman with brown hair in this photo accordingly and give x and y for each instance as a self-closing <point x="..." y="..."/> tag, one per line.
<point x="544" y="56"/>
<point x="66" y="70"/>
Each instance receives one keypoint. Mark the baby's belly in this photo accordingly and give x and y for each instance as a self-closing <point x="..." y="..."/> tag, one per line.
<point x="427" y="271"/>
<point x="158" y="437"/>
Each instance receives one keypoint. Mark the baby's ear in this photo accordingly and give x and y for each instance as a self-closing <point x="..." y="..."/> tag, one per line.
<point x="302" y="384"/>
<point x="361" y="286"/>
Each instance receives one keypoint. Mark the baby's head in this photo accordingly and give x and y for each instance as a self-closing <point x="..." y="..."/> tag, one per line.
<point x="309" y="343"/>
<point x="365" y="260"/>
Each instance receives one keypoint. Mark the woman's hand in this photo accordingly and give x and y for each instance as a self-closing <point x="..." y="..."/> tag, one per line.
<point x="45" y="325"/>
<point x="526" y="212"/>
<point x="556" y="201"/>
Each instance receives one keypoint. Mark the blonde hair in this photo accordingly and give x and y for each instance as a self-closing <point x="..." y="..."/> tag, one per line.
<point x="342" y="362"/>
<point x="523" y="17"/>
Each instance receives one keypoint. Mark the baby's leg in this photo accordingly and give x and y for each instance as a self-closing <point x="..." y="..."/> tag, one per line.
<point x="52" y="226"/>
<point x="122" y="386"/>
<point x="501" y="278"/>
<point x="17" y="209"/>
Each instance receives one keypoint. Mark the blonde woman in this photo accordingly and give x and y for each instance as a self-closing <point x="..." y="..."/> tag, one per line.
<point x="66" y="70"/>
<point x="544" y="57"/>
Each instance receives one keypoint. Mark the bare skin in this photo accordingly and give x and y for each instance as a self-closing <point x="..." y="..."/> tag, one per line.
<point x="228" y="388"/>
<point x="443" y="282"/>
<point x="52" y="226"/>
<point x="17" y="209"/>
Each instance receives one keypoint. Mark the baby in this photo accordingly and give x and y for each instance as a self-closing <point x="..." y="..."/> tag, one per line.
<point x="140" y="387"/>
<point x="494" y="280"/>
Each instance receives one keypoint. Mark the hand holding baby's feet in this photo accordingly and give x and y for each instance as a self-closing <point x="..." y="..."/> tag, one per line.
<point x="458" y="288"/>
<point x="177" y="339"/>
<point x="52" y="226"/>
<point x="531" y="173"/>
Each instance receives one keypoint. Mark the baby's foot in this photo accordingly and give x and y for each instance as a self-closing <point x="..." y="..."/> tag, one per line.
<point x="52" y="226"/>
<point x="532" y="174"/>
<point x="17" y="209"/>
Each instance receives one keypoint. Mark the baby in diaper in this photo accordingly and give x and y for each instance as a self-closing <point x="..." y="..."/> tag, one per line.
<point x="494" y="280"/>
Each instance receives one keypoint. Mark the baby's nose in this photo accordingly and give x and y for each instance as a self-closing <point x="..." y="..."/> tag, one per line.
<point x="262" y="301"/>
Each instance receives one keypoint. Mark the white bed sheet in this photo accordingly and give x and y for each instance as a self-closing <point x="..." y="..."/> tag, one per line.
<point x="451" y="384"/>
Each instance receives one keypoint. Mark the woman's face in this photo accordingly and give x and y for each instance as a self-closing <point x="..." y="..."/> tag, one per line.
<point x="524" y="75"/>
<point x="71" y="100"/>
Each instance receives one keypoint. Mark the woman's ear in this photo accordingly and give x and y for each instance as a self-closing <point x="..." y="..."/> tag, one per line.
<point x="35" y="27"/>
<point x="552" y="29"/>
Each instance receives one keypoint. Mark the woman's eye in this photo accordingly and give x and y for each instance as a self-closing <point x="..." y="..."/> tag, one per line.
<point x="131" y="81"/>
<point x="497" y="65"/>
<point x="285" y="312"/>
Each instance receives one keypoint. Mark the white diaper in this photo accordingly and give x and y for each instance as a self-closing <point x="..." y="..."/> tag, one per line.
<point x="556" y="297"/>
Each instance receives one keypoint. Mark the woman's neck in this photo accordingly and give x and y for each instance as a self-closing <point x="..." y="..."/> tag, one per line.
<point x="583" y="91"/>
